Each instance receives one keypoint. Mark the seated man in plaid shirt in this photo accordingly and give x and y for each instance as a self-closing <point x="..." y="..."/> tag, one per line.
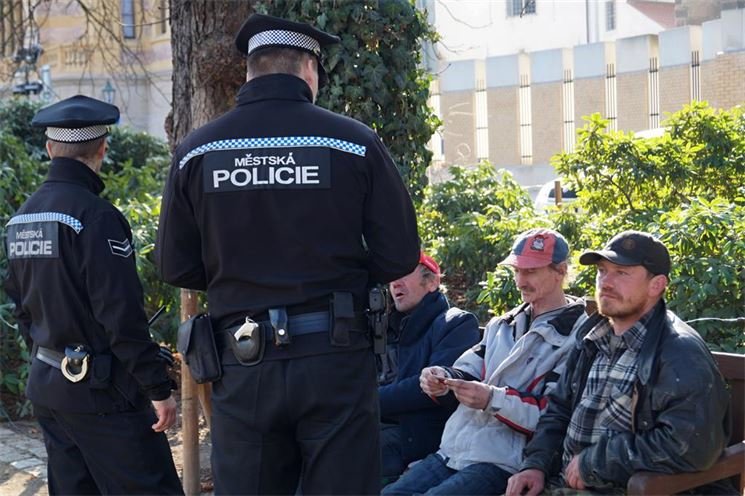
<point x="644" y="394"/>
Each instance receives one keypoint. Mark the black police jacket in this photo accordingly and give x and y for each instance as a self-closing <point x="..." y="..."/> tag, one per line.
<point x="279" y="202"/>
<point x="73" y="278"/>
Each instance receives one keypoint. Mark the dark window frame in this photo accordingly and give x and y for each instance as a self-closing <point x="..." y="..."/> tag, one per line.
<point x="610" y="15"/>
<point x="519" y="8"/>
<point x="127" y="10"/>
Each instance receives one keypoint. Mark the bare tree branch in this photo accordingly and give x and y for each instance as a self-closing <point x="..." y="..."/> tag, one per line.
<point x="461" y="21"/>
<point x="122" y="59"/>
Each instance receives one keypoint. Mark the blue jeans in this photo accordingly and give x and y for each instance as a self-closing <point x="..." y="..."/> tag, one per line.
<point x="431" y="476"/>
<point x="390" y="447"/>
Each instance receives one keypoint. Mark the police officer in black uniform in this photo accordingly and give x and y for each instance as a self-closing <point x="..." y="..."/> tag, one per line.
<point x="285" y="213"/>
<point x="96" y="375"/>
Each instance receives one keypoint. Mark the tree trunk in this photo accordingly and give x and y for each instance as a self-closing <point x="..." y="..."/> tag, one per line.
<point x="207" y="68"/>
<point x="207" y="72"/>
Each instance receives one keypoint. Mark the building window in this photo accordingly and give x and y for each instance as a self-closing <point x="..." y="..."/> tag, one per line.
<point x="654" y="93"/>
<point x="611" y="101"/>
<point x="567" y="94"/>
<point x="695" y="75"/>
<point x="610" y="15"/>
<point x="163" y="10"/>
<point x="482" y="115"/>
<point x="128" y="19"/>
<point x="519" y="8"/>
<point x="526" y="127"/>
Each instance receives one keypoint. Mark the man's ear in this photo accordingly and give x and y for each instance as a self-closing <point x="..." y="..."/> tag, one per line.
<point x="101" y="152"/>
<point x="658" y="284"/>
<point x="563" y="268"/>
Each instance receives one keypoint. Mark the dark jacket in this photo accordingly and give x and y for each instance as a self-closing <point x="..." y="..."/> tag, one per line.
<point x="680" y="410"/>
<point x="279" y="202"/>
<point x="82" y="289"/>
<point x="432" y="334"/>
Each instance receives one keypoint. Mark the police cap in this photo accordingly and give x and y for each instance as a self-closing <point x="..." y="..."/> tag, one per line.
<point x="76" y="119"/>
<point x="263" y="31"/>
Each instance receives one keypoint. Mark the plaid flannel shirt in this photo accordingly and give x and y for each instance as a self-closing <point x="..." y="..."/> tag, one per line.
<point x="606" y="400"/>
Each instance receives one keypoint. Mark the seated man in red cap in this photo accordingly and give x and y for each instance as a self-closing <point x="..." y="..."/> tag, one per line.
<point x="501" y="384"/>
<point x="424" y="331"/>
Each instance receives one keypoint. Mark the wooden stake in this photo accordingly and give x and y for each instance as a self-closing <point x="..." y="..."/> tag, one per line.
<point x="189" y="409"/>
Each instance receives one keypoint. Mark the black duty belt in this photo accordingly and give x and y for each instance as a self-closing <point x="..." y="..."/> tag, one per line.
<point x="50" y="357"/>
<point x="248" y="341"/>
<point x="73" y="363"/>
<point x="304" y="323"/>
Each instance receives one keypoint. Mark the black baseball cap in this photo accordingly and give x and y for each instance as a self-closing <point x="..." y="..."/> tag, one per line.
<point x="632" y="248"/>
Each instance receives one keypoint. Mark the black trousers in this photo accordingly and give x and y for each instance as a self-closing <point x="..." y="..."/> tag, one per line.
<point x="309" y="423"/>
<point x="116" y="453"/>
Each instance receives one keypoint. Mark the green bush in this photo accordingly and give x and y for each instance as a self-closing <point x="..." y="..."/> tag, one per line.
<point x="468" y="224"/>
<point x="708" y="275"/>
<point x="19" y="176"/>
<point x="15" y="119"/>
<point x="684" y="187"/>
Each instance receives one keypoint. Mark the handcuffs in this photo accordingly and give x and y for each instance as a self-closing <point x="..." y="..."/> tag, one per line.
<point x="74" y="366"/>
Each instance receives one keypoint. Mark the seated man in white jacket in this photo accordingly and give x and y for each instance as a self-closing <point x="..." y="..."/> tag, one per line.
<point x="502" y="383"/>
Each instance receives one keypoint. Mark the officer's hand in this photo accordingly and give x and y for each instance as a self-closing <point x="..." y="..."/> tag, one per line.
<point x="473" y="394"/>
<point x="431" y="381"/>
<point x="165" y="410"/>
<point x="529" y="482"/>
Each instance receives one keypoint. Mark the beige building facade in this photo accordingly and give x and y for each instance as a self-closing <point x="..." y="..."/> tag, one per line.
<point x="536" y="101"/>
<point x="118" y="51"/>
<point x="515" y="110"/>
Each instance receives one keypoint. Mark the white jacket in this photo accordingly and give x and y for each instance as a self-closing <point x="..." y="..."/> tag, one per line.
<point x="521" y="368"/>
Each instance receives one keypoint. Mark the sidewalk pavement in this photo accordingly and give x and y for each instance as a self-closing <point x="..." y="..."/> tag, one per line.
<point x="23" y="453"/>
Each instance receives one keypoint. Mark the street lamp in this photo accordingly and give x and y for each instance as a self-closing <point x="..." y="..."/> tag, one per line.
<point x="108" y="92"/>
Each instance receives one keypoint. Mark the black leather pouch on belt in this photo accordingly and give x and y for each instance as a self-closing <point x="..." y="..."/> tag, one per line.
<point x="341" y="313"/>
<point x="100" y="373"/>
<point x="196" y="344"/>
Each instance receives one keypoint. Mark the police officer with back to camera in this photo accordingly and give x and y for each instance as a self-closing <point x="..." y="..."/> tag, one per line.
<point x="96" y="375"/>
<point x="285" y="213"/>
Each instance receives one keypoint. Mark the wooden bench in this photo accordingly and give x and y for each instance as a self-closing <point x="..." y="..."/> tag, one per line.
<point x="732" y="462"/>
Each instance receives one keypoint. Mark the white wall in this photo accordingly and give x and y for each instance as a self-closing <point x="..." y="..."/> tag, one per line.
<point x="475" y="29"/>
<point x="481" y="28"/>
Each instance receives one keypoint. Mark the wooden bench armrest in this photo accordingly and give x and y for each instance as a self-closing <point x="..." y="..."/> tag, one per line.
<point x="731" y="463"/>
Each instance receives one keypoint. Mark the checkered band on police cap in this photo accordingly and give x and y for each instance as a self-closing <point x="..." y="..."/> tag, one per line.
<point x="278" y="37"/>
<point x="76" y="135"/>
